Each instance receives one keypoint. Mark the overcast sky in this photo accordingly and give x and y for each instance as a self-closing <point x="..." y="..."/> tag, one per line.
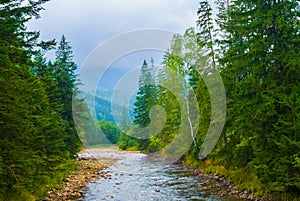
<point x="88" y="23"/>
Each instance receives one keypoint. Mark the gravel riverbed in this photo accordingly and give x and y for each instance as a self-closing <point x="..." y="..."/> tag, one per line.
<point x="92" y="166"/>
<point x="88" y="170"/>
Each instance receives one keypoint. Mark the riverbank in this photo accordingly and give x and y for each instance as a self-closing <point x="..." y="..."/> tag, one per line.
<point x="221" y="186"/>
<point x="88" y="170"/>
<point x="224" y="186"/>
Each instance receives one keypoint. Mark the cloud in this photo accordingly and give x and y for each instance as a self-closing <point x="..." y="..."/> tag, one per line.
<point x="87" y="23"/>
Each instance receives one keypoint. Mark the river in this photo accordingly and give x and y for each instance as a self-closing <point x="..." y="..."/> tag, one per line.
<point x="135" y="178"/>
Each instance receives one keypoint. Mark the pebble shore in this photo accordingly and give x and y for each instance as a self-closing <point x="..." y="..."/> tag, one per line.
<point x="74" y="186"/>
<point x="89" y="169"/>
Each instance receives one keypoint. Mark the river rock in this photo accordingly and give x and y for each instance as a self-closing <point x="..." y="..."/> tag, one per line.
<point x="74" y="185"/>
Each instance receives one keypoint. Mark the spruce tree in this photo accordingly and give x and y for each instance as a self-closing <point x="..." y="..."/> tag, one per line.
<point x="206" y="30"/>
<point x="146" y="98"/>
<point x="64" y="75"/>
<point x="32" y="155"/>
<point x="262" y="79"/>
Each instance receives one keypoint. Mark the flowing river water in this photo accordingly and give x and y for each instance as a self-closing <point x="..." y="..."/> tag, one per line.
<point x="135" y="178"/>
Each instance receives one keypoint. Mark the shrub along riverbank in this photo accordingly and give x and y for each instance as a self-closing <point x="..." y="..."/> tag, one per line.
<point x="238" y="182"/>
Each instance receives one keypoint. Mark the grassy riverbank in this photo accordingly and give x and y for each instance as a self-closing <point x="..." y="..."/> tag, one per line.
<point x="238" y="182"/>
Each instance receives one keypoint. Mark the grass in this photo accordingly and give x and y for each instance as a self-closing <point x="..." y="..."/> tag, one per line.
<point x="244" y="179"/>
<point x="191" y="162"/>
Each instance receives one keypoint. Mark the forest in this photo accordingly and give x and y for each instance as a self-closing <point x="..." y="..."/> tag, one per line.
<point x="38" y="137"/>
<point x="253" y="45"/>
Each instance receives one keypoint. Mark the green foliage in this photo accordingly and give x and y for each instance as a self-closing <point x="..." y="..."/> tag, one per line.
<point x="260" y="76"/>
<point x="145" y="97"/>
<point x="206" y="29"/>
<point x="125" y="123"/>
<point x="34" y="151"/>
<point x="63" y="70"/>
<point x="126" y="142"/>
<point x="87" y="127"/>
<point x="257" y="53"/>
<point x="111" y="131"/>
<point x="192" y="162"/>
<point x="155" y="144"/>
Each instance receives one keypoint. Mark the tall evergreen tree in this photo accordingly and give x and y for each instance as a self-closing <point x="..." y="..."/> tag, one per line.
<point x="61" y="85"/>
<point x="64" y="75"/>
<point x="33" y="153"/>
<point x="262" y="77"/>
<point x="206" y="30"/>
<point x="146" y="98"/>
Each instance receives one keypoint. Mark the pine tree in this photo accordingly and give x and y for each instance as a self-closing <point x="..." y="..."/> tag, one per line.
<point x="146" y="98"/>
<point x="63" y="70"/>
<point x="33" y="153"/>
<point x="262" y="80"/>
<point x="32" y="147"/>
<point x="60" y="82"/>
<point x="206" y="30"/>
